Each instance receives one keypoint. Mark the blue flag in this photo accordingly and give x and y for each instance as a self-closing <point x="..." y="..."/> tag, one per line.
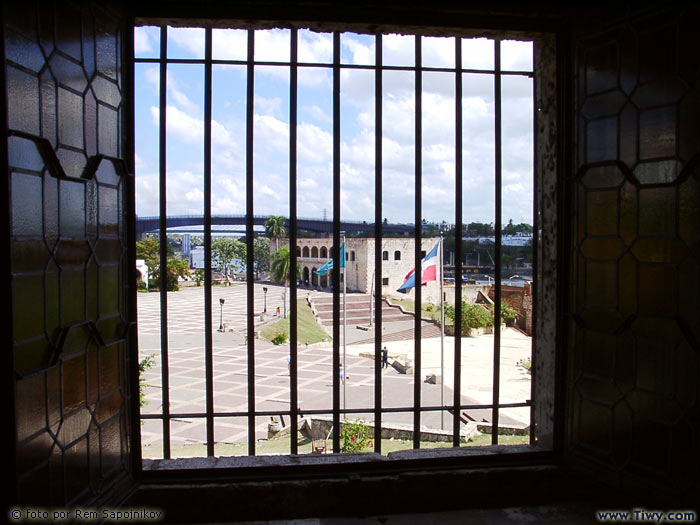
<point x="323" y="270"/>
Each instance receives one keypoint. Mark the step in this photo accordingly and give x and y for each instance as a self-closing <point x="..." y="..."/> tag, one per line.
<point x="365" y="320"/>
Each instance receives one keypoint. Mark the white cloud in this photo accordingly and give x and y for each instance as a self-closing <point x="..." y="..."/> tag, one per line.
<point x="190" y="40"/>
<point x="142" y="42"/>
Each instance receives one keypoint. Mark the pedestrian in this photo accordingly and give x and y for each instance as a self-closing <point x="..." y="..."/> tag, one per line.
<point x="385" y="358"/>
<point x="342" y="375"/>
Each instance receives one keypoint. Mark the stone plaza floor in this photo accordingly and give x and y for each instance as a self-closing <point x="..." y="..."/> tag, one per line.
<point x="186" y="363"/>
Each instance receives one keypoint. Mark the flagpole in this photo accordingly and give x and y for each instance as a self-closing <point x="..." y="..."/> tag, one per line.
<point x="344" y="265"/>
<point x="442" y="339"/>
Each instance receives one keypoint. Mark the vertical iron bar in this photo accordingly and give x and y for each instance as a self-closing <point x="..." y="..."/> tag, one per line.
<point x="535" y="244"/>
<point x="378" y="245"/>
<point x="208" y="341"/>
<point x="249" y="233"/>
<point x="128" y="151"/>
<point x="163" y="242"/>
<point x="418" y="273"/>
<point x="497" y="254"/>
<point x="336" y="243"/>
<point x="456" y="421"/>
<point x="293" y="394"/>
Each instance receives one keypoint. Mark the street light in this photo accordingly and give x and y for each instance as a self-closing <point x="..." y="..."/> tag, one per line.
<point x="264" y="299"/>
<point x="221" y="317"/>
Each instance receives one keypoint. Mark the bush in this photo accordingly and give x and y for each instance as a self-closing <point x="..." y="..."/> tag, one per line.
<point x="473" y="316"/>
<point x="280" y="338"/>
<point x="145" y="363"/>
<point x="356" y="436"/>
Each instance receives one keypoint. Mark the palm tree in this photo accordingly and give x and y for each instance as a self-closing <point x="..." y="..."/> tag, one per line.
<point x="281" y="262"/>
<point x="274" y="228"/>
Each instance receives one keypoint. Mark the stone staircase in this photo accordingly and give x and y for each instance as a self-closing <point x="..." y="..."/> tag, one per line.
<point x="358" y="310"/>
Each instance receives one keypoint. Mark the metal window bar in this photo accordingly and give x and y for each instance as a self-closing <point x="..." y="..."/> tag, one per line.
<point x="336" y="243"/>
<point x="166" y="416"/>
<point x="249" y="237"/>
<point x="162" y="182"/>
<point x="418" y="145"/>
<point x="208" y="339"/>
<point x="378" y="123"/>
<point x="457" y="385"/>
<point x="497" y="252"/>
<point x="293" y="335"/>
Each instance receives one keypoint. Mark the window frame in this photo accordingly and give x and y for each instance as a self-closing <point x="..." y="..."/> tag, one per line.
<point x="336" y="463"/>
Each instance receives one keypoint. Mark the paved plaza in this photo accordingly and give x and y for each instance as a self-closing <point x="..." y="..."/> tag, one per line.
<point x="272" y="384"/>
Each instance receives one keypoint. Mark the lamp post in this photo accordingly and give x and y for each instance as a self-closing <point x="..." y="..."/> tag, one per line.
<point x="264" y="299"/>
<point x="221" y="315"/>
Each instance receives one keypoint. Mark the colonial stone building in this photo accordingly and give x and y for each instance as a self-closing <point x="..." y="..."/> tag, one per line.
<point x="397" y="261"/>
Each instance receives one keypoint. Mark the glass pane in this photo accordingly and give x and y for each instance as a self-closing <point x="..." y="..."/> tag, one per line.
<point x="185" y="42"/>
<point x="146" y="42"/>
<point x="398" y="193"/>
<point x="399" y="50"/>
<point x="517" y="251"/>
<point x="272" y="45"/>
<point x="229" y="44"/>
<point x="438" y="215"/>
<point x="357" y="49"/>
<point x="438" y="51"/>
<point x="478" y="212"/>
<point x="477" y="53"/>
<point x="315" y="47"/>
<point x="516" y="55"/>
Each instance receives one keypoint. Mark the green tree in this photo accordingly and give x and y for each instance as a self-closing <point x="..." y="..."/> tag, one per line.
<point x="225" y="251"/>
<point x="148" y="249"/>
<point x="281" y="269"/>
<point x="261" y="255"/>
<point x="480" y="229"/>
<point x="274" y="229"/>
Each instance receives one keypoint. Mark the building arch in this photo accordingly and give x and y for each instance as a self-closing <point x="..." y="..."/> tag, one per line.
<point x="314" y="252"/>
<point x="324" y="252"/>
<point x="385" y="255"/>
<point x="314" y="277"/>
<point x="305" y="251"/>
<point x="298" y="251"/>
<point x="305" y="276"/>
<point x="397" y="255"/>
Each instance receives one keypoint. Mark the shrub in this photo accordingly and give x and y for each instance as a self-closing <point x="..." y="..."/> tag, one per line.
<point x="356" y="436"/>
<point x="145" y="363"/>
<point x="473" y="316"/>
<point x="280" y="338"/>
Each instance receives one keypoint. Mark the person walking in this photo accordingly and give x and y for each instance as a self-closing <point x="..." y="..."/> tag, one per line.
<point x="385" y="357"/>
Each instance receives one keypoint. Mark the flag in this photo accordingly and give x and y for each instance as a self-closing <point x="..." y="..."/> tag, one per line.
<point x="429" y="271"/>
<point x="323" y="270"/>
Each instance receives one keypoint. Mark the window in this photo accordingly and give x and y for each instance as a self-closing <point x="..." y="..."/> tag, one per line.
<point x="324" y="252"/>
<point x="261" y="78"/>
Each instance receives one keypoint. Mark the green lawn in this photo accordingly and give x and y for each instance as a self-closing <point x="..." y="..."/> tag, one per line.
<point x="428" y="311"/>
<point x="308" y="330"/>
<point x="282" y="446"/>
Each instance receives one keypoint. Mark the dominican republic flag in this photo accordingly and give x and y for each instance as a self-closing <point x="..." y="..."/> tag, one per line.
<point x="429" y="270"/>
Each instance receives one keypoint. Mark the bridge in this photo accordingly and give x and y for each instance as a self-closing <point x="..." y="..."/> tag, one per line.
<point x="152" y="224"/>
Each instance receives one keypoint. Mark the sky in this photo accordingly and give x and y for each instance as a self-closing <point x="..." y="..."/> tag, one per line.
<point x="185" y="127"/>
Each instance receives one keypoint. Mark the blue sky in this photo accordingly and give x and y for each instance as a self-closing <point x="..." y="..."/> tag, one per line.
<point x="271" y="134"/>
